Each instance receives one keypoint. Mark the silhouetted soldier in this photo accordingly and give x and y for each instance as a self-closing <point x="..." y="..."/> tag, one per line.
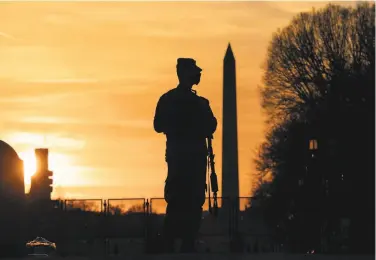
<point x="186" y="119"/>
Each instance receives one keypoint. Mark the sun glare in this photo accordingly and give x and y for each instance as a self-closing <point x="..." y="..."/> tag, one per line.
<point x="30" y="165"/>
<point x="58" y="163"/>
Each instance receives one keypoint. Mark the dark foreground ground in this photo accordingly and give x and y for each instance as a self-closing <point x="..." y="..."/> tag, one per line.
<point x="272" y="256"/>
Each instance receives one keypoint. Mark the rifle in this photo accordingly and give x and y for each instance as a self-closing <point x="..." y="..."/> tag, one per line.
<point x="213" y="178"/>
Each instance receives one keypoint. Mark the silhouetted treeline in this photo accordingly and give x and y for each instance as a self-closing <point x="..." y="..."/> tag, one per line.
<point x="319" y="85"/>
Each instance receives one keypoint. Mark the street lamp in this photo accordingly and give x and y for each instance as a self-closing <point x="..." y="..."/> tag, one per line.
<point x="313" y="145"/>
<point x="315" y="173"/>
<point x="325" y="240"/>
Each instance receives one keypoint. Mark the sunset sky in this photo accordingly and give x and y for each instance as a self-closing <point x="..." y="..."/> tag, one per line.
<point x="83" y="79"/>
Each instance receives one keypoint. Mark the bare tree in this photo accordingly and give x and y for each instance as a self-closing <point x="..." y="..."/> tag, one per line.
<point x="84" y="205"/>
<point x="305" y="58"/>
<point x="116" y="210"/>
<point x="320" y="81"/>
<point x="138" y="208"/>
<point x="122" y="209"/>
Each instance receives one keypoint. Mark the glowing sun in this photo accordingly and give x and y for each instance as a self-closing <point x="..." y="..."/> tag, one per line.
<point x="30" y="165"/>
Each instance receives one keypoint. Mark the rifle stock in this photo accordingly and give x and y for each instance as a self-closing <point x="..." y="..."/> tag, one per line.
<point x="213" y="178"/>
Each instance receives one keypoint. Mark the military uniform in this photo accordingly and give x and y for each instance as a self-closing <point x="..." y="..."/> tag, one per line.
<point x="186" y="119"/>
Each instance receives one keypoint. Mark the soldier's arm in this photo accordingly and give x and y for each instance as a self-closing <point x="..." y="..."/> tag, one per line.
<point x="211" y="121"/>
<point x="161" y="117"/>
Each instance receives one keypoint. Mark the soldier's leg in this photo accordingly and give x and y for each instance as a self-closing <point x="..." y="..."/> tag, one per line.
<point x="175" y="209"/>
<point x="171" y="196"/>
<point x="194" y="210"/>
<point x="169" y="228"/>
<point x="192" y="220"/>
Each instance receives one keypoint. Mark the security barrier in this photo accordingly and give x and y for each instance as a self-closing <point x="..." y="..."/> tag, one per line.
<point x="135" y="225"/>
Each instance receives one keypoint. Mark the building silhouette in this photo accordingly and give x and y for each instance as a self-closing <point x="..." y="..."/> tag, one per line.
<point x="12" y="185"/>
<point x="12" y="201"/>
<point x="41" y="181"/>
<point x="230" y="172"/>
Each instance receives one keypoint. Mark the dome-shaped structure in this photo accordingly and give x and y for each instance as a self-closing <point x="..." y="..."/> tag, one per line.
<point x="7" y="150"/>
<point x="12" y="184"/>
<point x="12" y="197"/>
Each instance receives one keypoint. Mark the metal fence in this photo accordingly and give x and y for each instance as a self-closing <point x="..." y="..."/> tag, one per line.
<point x="214" y="231"/>
<point x="87" y="205"/>
<point x="251" y="233"/>
<point x="134" y="225"/>
<point x="126" y="218"/>
<point x="130" y="225"/>
<point x="124" y="225"/>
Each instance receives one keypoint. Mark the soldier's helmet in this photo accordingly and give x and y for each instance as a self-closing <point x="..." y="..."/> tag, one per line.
<point x="187" y="64"/>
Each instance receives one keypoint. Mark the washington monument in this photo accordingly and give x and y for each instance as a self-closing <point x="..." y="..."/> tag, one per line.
<point x="230" y="172"/>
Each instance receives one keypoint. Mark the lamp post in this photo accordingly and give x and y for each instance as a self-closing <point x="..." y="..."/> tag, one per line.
<point x="323" y="196"/>
<point x="313" y="145"/>
<point x="313" y="148"/>
<point x="316" y="187"/>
